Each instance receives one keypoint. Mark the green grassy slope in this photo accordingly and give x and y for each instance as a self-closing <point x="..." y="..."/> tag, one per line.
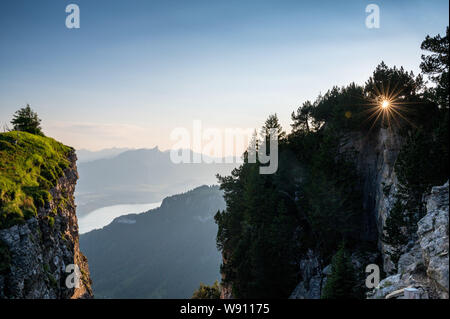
<point x="30" y="166"/>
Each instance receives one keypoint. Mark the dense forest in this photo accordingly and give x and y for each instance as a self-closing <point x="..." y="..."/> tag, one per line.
<point x="314" y="200"/>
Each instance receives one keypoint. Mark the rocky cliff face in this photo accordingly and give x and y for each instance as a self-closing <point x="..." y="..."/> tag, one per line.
<point x="423" y="268"/>
<point x="424" y="263"/>
<point x="313" y="278"/>
<point x="425" y="257"/>
<point x="36" y="253"/>
<point x="377" y="153"/>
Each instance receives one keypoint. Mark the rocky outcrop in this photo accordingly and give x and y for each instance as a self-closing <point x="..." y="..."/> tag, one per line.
<point x="311" y="284"/>
<point x="424" y="263"/>
<point x="433" y="239"/>
<point x="423" y="268"/>
<point x="376" y="154"/>
<point x="314" y="277"/>
<point x="37" y="252"/>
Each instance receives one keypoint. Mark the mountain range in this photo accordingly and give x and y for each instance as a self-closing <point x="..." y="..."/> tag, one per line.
<point x="137" y="177"/>
<point x="163" y="253"/>
<point x="85" y="155"/>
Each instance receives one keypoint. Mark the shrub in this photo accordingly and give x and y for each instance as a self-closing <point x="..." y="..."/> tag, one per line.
<point x="207" y="292"/>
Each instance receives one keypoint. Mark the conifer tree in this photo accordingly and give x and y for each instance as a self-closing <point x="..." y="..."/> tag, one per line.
<point x="26" y="120"/>
<point x="342" y="283"/>
<point x="436" y="66"/>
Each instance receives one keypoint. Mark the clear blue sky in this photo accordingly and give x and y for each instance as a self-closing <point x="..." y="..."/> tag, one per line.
<point x="137" y="69"/>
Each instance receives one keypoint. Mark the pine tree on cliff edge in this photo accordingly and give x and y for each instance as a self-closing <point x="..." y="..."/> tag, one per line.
<point x="26" y="120"/>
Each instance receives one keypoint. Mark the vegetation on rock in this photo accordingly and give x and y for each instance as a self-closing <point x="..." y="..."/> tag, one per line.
<point x="342" y="283"/>
<point x="207" y="292"/>
<point x="30" y="166"/>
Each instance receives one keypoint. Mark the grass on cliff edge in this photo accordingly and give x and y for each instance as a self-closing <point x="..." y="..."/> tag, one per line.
<point x="30" y="166"/>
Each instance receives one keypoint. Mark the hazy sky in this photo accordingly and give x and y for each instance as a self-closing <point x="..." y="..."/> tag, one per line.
<point x="136" y="70"/>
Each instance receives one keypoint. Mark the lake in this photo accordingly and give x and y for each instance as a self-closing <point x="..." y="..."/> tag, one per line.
<point x="101" y="217"/>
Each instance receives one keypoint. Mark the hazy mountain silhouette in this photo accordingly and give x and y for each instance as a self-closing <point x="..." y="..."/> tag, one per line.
<point x="88" y="156"/>
<point x="139" y="176"/>
<point x="163" y="253"/>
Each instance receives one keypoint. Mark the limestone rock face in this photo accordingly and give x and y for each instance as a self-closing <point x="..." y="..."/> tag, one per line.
<point x="40" y="249"/>
<point x="376" y="152"/>
<point x="310" y="287"/>
<point x="433" y="238"/>
<point x="376" y="156"/>
<point x="314" y="277"/>
<point x="425" y="265"/>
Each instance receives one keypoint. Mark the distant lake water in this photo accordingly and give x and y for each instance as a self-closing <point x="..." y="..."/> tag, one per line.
<point x="101" y="217"/>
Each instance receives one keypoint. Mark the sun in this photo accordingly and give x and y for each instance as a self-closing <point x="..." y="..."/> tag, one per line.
<point x="385" y="104"/>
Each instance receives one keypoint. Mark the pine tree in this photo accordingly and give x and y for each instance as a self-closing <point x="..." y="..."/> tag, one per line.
<point x="436" y="66"/>
<point x="303" y="118"/>
<point x="342" y="283"/>
<point x="26" y="120"/>
<point x="272" y="122"/>
<point x="394" y="231"/>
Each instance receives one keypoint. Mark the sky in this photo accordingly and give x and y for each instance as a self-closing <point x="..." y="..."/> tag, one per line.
<point x="135" y="70"/>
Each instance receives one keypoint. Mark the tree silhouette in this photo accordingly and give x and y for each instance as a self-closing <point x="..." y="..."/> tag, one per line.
<point x="342" y="283"/>
<point x="26" y="120"/>
<point x="436" y="66"/>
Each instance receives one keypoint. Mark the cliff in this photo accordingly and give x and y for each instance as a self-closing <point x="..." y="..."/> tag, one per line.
<point x="38" y="222"/>
<point x="423" y="267"/>
<point x="423" y="263"/>
<point x="375" y="161"/>
<point x="348" y="193"/>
